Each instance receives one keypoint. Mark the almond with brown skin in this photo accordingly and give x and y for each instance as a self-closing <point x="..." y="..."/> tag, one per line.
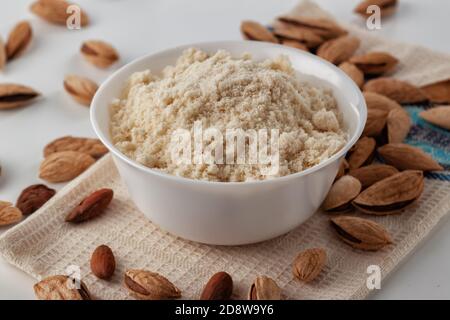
<point x="378" y="101"/>
<point x="353" y="72"/>
<point x="19" y="39"/>
<point x="292" y="32"/>
<point x="391" y="194"/>
<point x="81" y="89"/>
<point x="376" y="121"/>
<point x="375" y="63"/>
<point x="398" y="125"/>
<point x="218" y="287"/>
<point x="439" y="116"/>
<point x="16" y="95"/>
<point x="438" y="92"/>
<point x="61" y="287"/>
<point x="325" y="28"/>
<point x="9" y="214"/>
<point x="362" y="152"/>
<point x="91" y="206"/>
<point x="264" y="288"/>
<point x="400" y="91"/>
<point x="99" y="53"/>
<point x="55" y="11"/>
<point x="309" y="263"/>
<point x="252" y="30"/>
<point x="338" y="50"/>
<point x="103" y="263"/>
<point x="64" y="166"/>
<point x="361" y="233"/>
<point x="373" y="173"/>
<point x="3" y="56"/>
<point x="406" y="157"/>
<point x="387" y="7"/>
<point x="294" y="44"/>
<point x="34" y="197"/>
<point x="341" y="194"/>
<point x="93" y="147"/>
<point x="146" y="285"/>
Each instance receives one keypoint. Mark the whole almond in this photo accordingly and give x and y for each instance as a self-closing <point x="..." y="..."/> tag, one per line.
<point x="55" y="11"/>
<point x="264" y="288"/>
<point x="60" y="287"/>
<point x="252" y="30"/>
<point x="325" y="28"/>
<point x="289" y="31"/>
<point x="406" y="157"/>
<point x="91" y="206"/>
<point x="375" y="63"/>
<point x="439" y="116"/>
<point x="3" y="56"/>
<point x="16" y="95"/>
<point x="309" y="263"/>
<point x="391" y="194"/>
<point x="361" y="233"/>
<point x="218" y="287"/>
<point x="99" y="53"/>
<point x="378" y="101"/>
<point x="294" y="44"/>
<point x="146" y="285"/>
<point x="92" y="147"/>
<point x="398" y="125"/>
<point x="34" y="197"/>
<point x="387" y="7"/>
<point x="103" y="263"/>
<point x="376" y="121"/>
<point x="362" y="152"/>
<point x="64" y="166"/>
<point x="370" y="174"/>
<point x="353" y="72"/>
<point x="338" y="50"/>
<point x="438" y="92"/>
<point x="341" y="194"/>
<point x="400" y="91"/>
<point x="9" y="214"/>
<point x="81" y="89"/>
<point x="19" y="39"/>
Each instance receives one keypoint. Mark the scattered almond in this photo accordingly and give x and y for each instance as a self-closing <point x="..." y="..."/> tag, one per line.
<point x="439" y="116"/>
<point x="438" y="92"/>
<point x="15" y="95"/>
<point x="252" y="30"/>
<point x="9" y="214"/>
<point x="378" y="101"/>
<point x="91" y="206"/>
<point x="353" y="72"/>
<point x="400" y="91"/>
<point x="341" y="194"/>
<point x="362" y="152"/>
<point x="218" y="287"/>
<point x="361" y="233"/>
<point x="81" y="89"/>
<point x="373" y="173"/>
<point x="375" y="63"/>
<point x="325" y="28"/>
<point x="376" y="121"/>
<point x="103" y="263"/>
<point x="19" y="39"/>
<point x="309" y="263"/>
<point x="99" y="53"/>
<point x="289" y="31"/>
<point x="398" y="125"/>
<point x="92" y="147"/>
<point x="294" y="44"/>
<point x="146" y="285"/>
<point x="406" y="157"/>
<point x="60" y="287"/>
<point x="387" y="7"/>
<point x="64" y="166"/>
<point x="264" y="288"/>
<point x="338" y="50"/>
<point x="55" y="11"/>
<point x="34" y="197"/>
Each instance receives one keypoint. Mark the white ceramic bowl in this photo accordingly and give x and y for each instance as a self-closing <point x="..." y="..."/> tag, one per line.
<point x="224" y="213"/>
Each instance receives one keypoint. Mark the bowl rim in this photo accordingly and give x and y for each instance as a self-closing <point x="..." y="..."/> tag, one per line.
<point x="180" y="179"/>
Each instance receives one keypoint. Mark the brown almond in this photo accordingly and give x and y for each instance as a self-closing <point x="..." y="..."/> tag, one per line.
<point x="16" y="95"/>
<point x="103" y="263"/>
<point x="373" y="173"/>
<point x="34" y="197"/>
<point x="338" y="50"/>
<point x="264" y="288"/>
<point x="309" y="263"/>
<point x="387" y="7"/>
<point x="9" y="214"/>
<point x="391" y="194"/>
<point x="81" y="89"/>
<point x="146" y="285"/>
<point x="252" y="30"/>
<point x="64" y="166"/>
<point x="55" y="11"/>
<point x="439" y="116"/>
<point x="92" y="147"/>
<point x="99" y="53"/>
<point x="406" y="157"/>
<point x="375" y="63"/>
<point x="341" y="194"/>
<point x="398" y="125"/>
<point x="61" y="287"/>
<point x="400" y="91"/>
<point x="353" y="72"/>
<point x="91" y="206"/>
<point x="376" y="121"/>
<point x="218" y="287"/>
<point x="438" y="92"/>
<point x="3" y="56"/>
<point x="362" y="153"/>
<point x="325" y="28"/>
<point x="19" y="39"/>
<point x="294" y="44"/>
<point x="378" y="101"/>
<point x="292" y="32"/>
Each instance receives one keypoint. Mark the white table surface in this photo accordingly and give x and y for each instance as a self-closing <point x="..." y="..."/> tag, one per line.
<point x="138" y="27"/>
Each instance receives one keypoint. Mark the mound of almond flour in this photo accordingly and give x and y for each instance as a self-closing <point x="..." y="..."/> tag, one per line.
<point x="225" y="93"/>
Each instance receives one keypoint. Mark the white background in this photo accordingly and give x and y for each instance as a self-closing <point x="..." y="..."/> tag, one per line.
<point x="138" y="27"/>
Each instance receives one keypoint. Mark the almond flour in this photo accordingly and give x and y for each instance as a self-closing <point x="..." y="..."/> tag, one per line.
<point x="224" y="92"/>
